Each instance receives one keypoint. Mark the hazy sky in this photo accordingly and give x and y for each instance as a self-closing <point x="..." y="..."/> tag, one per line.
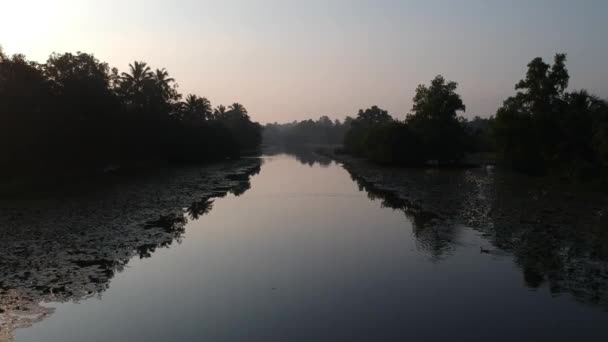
<point x="287" y="60"/>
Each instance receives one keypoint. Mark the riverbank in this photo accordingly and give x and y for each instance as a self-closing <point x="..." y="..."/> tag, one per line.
<point x="444" y="191"/>
<point x="59" y="178"/>
<point x="557" y="234"/>
<point x="306" y="244"/>
<point x="68" y="245"/>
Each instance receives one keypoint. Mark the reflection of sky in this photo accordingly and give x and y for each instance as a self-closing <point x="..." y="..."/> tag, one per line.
<point x="270" y="266"/>
<point x="290" y="60"/>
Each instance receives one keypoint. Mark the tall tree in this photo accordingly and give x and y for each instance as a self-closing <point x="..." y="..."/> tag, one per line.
<point x="543" y="86"/>
<point x="434" y="118"/>
<point x="165" y="85"/>
<point x="135" y="83"/>
<point x="527" y="128"/>
<point x="85" y="106"/>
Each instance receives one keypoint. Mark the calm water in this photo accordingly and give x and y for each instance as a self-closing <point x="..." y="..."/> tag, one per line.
<point x="305" y="255"/>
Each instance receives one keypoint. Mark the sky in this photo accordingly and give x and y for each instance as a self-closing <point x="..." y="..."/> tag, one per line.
<point x="290" y="60"/>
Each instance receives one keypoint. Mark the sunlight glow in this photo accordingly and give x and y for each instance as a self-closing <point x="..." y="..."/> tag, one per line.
<point x="38" y="27"/>
<point x="291" y="60"/>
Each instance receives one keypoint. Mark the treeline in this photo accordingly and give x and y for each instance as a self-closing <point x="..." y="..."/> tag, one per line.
<point x="432" y="133"/>
<point x="542" y="129"/>
<point x="308" y="132"/>
<point x="75" y="112"/>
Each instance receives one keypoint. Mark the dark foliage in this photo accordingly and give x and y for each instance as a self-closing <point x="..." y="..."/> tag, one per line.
<point x="431" y="132"/>
<point x="307" y="132"/>
<point x="545" y="129"/>
<point x="542" y="129"/>
<point x="76" y="113"/>
<point x="434" y="119"/>
<point x="247" y="134"/>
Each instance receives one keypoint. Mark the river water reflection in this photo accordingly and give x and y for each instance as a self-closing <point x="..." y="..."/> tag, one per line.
<point x="303" y="251"/>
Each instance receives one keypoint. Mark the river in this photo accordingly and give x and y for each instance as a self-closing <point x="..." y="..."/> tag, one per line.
<point x="304" y="252"/>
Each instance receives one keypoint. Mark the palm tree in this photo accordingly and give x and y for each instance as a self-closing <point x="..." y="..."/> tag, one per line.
<point x="196" y="109"/>
<point x="238" y="108"/>
<point x="219" y="111"/>
<point x="135" y="81"/>
<point x="164" y="83"/>
<point x="582" y="101"/>
<point x="205" y="108"/>
<point x="236" y="111"/>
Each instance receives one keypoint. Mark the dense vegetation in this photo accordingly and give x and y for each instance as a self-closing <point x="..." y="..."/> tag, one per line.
<point x="542" y="129"/>
<point x="307" y="132"/>
<point x="432" y="132"/>
<point x="76" y="113"/>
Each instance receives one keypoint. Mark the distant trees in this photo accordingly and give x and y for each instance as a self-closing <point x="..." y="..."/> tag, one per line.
<point x="479" y="135"/>
<point x="432" y="131"/>
<point x="76" y="112"/>
<point x="308" y="132"/>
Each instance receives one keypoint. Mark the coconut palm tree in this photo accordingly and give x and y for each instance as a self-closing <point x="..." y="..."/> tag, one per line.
<point x="238" y="108"/>
<point x="196" y="109"/>
<point x="236" y="112"/>
<point x="219" y="112"/>
<point x="136" y="80"/>
<point x="164" y="84"/>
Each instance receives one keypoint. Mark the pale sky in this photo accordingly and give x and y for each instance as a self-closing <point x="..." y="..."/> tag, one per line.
<point x="292" y="60"/>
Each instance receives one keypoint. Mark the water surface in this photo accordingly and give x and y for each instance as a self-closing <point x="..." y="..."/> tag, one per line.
<point x="304" y="254"/>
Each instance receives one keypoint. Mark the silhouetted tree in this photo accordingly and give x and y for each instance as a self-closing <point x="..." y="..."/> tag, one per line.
<point x="75" y="112"/>
<point x="372" y="116"/>
<point x="356" y="139"/>
<point x="82" y="94"/>
<point x="246" y="133"/>
<point x="238" y="109"/>
<point x="219" y="111"/>
<point x="433" y="131"/>
<point x="135" y="83"/>
<point x="434" y="119"/>
<point x="545" y="128"/>
<point x="307" y="132"/>
<point x="196" y="109"/>
<point x="25" y="98"/>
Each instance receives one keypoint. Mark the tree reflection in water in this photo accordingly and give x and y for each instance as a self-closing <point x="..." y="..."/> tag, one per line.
<point x="558" y="237"/>
<point x="70" y="249"/>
